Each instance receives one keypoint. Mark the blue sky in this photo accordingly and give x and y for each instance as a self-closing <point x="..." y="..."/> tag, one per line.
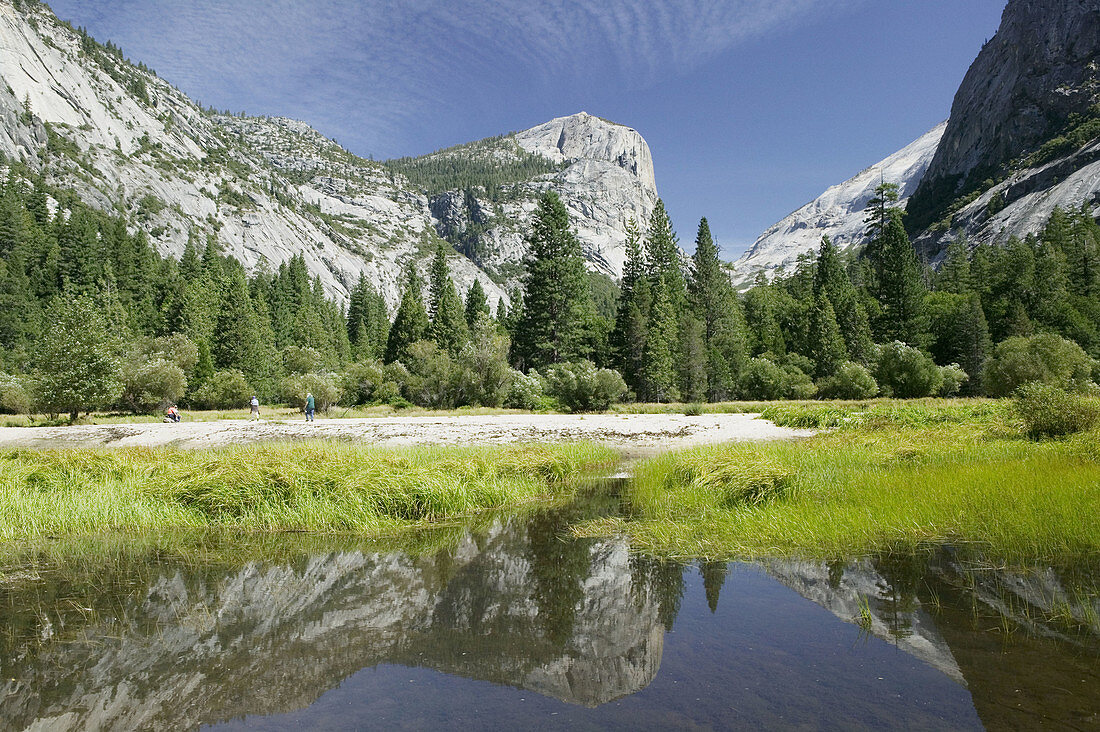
<point x="750" y="107"/>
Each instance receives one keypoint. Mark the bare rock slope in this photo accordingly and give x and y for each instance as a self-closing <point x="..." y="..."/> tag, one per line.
<point x="267" y="188"/>
<point x="839" y="212"/>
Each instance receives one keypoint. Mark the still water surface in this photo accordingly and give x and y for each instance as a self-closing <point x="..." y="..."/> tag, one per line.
<point x="512" y="626"/>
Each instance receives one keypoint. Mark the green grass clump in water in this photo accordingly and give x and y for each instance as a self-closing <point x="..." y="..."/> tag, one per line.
<point x="315" y="486"/>
<point x="894" y="477"/>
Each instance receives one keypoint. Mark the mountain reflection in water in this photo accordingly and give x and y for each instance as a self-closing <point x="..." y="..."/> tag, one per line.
<point x="366" y="639"/>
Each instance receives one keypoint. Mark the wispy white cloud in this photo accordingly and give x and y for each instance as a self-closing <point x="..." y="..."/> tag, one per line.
<point x="375" y="67"/>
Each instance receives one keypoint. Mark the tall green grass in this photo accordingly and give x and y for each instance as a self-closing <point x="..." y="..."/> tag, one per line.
<point x="965" y="475"/>
<point x="315" y="486"/>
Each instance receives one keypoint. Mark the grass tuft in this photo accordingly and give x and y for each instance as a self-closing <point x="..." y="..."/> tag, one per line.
<point x="312" y="486"/>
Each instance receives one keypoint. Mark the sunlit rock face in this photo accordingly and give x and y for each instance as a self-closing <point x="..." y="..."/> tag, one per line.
<point x="269" y="188"/>
<point x="839" y="213"/>
<point x="604" y="178"/>
<point x="1041" y="68"/>
<point x="180" y="646"/>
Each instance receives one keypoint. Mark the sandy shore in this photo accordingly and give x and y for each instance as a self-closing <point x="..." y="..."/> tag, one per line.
<point x="634" y="433"/>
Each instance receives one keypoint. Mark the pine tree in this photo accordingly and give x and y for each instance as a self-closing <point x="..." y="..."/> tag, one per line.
<point x="628" y="337"/>
<point x="827" y="349"/>
<point x="762" y="318"/>
<point x="551" y="329"/>
<point x="235" y="344"/>
<point x="477" y="304"/>
<point x="832" y="280"/>
<point x="954" y="274"/>
<point x="663" y="256"/>
<point x="447" y="319"/>
<point x="410" y="324"/>
<point x="712" y="298"/>
<point x="901" y="288"/>
<point x="658" y="373"/>
<point x="692" y="359"/>
<point x="448" y="327"/>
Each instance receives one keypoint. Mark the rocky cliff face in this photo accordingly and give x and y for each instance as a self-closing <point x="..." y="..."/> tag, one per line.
<point x="838" y="213"/>
<point x="1021" y="140"/>
<point x="604" y="175"/>
<point x="187" y="645"/>
<point x="270" y="188"/>
<point x="1041" y="69"/>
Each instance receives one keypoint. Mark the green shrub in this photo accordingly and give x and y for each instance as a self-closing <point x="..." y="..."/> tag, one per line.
<point x="299" y="360"/>
<point x="15" y="396"/>
<point x="581" y="387"/>
<point x="693" y="410"/>
<point x="906" y="372"/>
<point x="952" y="377"/>
<point x="796" y="383"/>
<point x="152" y="385"/>
<point x="362" y="382"/>
<point x="224" y="390"/>
<point x="851" y="381"/>
<point x="324" y="387"/>
<point x="761" y="381"/>
<point x="433" y="376"/>
<point x="1045" y="358"/>
<point x="526" y="391"/>
<point x="484" y="376"/>
<point x="1050" y="411"/>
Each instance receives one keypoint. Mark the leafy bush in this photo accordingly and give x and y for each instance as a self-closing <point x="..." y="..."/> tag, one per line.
<point x="580" y="387"/>
<point x="693" y="410"/>
<point x="324" y="387"/>
<point x="362" y="383"/>
<point x="484" y="377"/>
<point x="851" y="381"/>
<point x="1045" y="358"/>
<point x="761" y="381"/>
<point x="796" y="383"/>
<point x="150" y="386"/>
<point x="952" y="377"/>
<point x="224" y="390"/>
<point x="526" y="391"/>
<point x="433" y="376"/>
<point x="1050" y="411"/>
<point x="906" y="372"/>
<point x="15" y="396"/>
<point x="299" y="360"/>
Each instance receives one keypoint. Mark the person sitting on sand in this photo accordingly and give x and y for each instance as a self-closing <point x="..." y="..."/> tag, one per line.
<point x="311" y="406"/>
<point x="172" y="414"/>
<point x="255" y="404"/>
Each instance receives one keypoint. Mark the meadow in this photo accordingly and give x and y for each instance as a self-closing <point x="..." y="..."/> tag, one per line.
<point x="313" y="486"/>
<point x="884" y="476"/>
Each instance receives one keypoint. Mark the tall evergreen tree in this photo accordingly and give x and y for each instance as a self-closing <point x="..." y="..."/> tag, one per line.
<point x="628" y="337"/>
<point x="832" y="280"/>
<point x="410" y="324"/>
<point x="901" y="288"/>
<point x="658" y="371"/>
<point x="827" y="349"/>
<point x="555" y="290"/>
<point x="447" y="319"/>
<point x="663" y="255"/>
<point x="477" y="304"/>
<point x="954" y="273"/>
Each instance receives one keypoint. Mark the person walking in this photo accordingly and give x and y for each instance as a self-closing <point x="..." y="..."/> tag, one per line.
<point x="255" y="404"/>
<point x="311" y="406"/>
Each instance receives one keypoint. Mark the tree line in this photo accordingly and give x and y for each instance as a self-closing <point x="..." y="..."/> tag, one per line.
<point x="91" y="317"/>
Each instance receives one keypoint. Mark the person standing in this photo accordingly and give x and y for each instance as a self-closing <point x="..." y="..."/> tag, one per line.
<point x="311" y="405"/>
<point x="255" y="404"/>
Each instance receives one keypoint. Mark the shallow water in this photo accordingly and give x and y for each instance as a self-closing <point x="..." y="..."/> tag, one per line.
<point x="513" y="626"/>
